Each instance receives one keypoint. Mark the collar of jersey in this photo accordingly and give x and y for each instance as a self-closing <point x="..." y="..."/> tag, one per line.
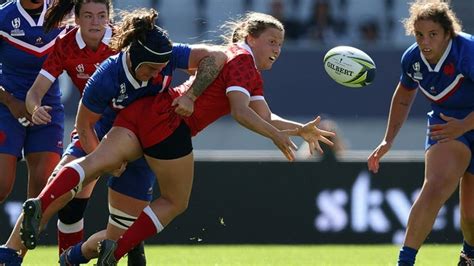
<point x="248" y="49"/>
<point x="27" y="16"/>
<point x="135" y="83"/>
<point x="440" y="61"/>
<point x="105" y="39"/>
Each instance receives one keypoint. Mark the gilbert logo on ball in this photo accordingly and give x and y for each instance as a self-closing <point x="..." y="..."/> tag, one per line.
<point x="349" y="66"/>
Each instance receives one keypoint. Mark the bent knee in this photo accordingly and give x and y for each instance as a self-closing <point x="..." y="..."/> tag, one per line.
<point x="178" y="206"/>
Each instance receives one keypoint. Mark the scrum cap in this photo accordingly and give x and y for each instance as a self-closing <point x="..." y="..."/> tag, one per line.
<point x="156" y="48"/>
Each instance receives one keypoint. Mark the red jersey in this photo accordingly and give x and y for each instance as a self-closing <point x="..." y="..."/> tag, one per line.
<point x="71" y="54"/>
<point x="238" y="74"/>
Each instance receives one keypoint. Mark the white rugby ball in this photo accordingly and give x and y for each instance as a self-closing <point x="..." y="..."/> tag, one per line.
<point x="349" y="66"/>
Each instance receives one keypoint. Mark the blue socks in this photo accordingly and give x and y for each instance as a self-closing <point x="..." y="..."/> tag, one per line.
<point x="407" y="256"/>
<point x="75" y="255"/>
<point x="468" y="249"/>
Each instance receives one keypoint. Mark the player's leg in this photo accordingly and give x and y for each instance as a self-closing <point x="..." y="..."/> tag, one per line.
<point x="122" y="215"/>
<point x="107" y="157"/>
<point x="466" y="200"/>
<point x="12" y="135"/>
<point x="445" y="163"/>
<point x="135" y="187"/>
<point x="70" y="226"/>
<point x="172" y="162"/>
<point x="128" y="194"/>
<point x="40" y="167"/>
<point x="43" y="148"/>
<point x="7" y="175"/>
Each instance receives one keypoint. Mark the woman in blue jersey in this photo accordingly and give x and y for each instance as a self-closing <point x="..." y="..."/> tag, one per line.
<point x="441" y="65"/>
<point x="23" y="48"/>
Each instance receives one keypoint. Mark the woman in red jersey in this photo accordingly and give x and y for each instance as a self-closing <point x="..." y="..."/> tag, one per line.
<point x="151" y="127"/>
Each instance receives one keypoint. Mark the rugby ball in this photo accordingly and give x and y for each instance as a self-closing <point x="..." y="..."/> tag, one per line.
<point x="349" y="66"/>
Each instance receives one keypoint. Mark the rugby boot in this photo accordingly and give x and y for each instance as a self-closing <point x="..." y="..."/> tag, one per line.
<point x="29" y="230"/>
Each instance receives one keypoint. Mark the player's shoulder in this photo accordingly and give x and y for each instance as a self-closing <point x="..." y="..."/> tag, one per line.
<point x="110" y="65"/>
<point x="412" y="53"/>
<point x="238" y="54"/>
<point x="8" y="6"/>
<point x="464" y="42"/>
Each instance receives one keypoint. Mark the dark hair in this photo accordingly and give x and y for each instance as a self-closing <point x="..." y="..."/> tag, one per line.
<point x="252" y="23"/>
<point x="434" y="10"/>
<point x="61" y="8"/>
<point x="134" y="26"/>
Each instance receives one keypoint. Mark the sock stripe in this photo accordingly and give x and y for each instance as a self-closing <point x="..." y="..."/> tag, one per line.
<point x="78" y="169"/>
<point x="149" y="212"/>
<point x="70" y="228"/>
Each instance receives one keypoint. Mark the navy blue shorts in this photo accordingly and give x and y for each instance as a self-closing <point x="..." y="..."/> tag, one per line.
<point x="136" y="181"/>
<point x="467" y="138"/>
<point x="38" y="138"/>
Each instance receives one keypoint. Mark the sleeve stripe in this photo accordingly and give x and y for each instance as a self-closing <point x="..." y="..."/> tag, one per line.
<point x="47" y="75"/>
<point x="257" y="98"/>
<point x="237" y="88"/>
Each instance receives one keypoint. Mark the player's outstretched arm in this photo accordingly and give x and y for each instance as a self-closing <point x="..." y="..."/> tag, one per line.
<point x="309" y="131"/>
<point x="400" y="107"/>
<point x="247" y="117"/>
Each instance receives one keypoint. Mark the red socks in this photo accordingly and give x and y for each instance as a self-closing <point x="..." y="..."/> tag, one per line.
<point x="146" y="225"/>
<point x="67" y="179"/>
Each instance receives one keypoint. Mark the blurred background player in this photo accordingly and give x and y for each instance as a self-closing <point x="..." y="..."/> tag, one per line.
<point x="440" y="64"/>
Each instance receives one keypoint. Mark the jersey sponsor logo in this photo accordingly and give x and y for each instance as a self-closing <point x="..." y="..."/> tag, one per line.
<point x="80" y="72"/>
<point x="39" y="41"/>
<point x="16" y="23"/>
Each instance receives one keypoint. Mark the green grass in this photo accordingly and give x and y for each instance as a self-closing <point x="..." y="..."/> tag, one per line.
<point x="283" y="255"/>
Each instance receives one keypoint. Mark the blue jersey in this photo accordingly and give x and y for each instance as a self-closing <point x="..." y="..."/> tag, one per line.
<point x="450" y="83"/>
<point x="112" y="87"/>
<point x="23" y="47"/>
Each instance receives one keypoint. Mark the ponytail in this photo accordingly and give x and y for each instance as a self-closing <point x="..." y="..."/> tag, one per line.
<point x="56" y="13"/>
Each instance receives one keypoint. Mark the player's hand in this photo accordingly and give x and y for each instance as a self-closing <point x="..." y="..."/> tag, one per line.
<point x="118" y="172"/>
<point x="376" y="155"/>
<point x="452" y="129"/>
<point x="185" y="105"/>
<point x="18" y="110"/>
<point x="282" y="140"/>
<point x="41" y="116"/>
<point x="313" y="135"/>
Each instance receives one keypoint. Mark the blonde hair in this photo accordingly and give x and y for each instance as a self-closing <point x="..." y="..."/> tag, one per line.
<point x="435" y="10"/>
<point x="252" y="23"/>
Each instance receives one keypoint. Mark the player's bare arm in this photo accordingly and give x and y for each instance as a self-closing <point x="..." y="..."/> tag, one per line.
<point x="207" y="71"/>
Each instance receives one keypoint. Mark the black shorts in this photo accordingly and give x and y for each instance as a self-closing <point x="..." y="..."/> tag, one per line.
<point x="177" y="145"/>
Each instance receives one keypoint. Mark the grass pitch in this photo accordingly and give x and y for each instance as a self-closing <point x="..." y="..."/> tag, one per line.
<point x="283" y="255"/>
